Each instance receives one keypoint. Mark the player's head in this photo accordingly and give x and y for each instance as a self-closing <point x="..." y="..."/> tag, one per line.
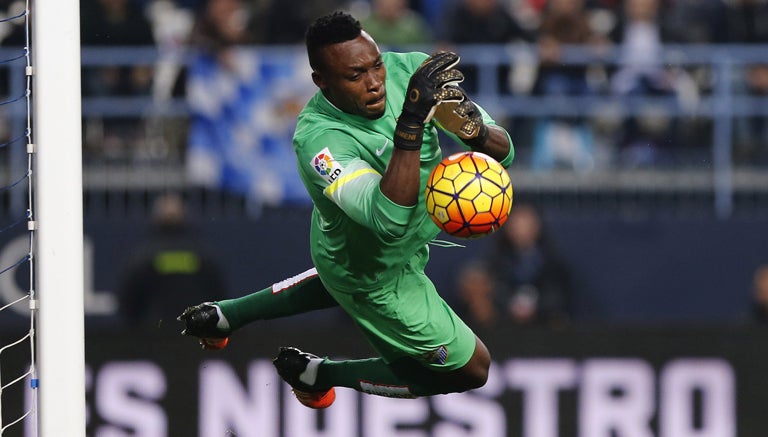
<point x="346" y="65"/>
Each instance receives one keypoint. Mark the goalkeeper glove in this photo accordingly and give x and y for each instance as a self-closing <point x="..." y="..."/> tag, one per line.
<point x="429" y="86"/>
<point x="464" y="119"/>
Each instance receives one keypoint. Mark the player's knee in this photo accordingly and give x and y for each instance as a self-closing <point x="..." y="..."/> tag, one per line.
<point x="469" y="377"/>
<point x="479" y="366"/>
<point x="477" y="378"/>
<point x="475" y="373"/>
<point x="480" y="373"/>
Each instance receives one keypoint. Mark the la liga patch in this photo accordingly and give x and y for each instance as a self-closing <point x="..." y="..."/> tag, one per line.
<point x="325" y="166"/>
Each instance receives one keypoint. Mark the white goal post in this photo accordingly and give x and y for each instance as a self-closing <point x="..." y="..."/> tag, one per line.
<point x="58" y="205"/>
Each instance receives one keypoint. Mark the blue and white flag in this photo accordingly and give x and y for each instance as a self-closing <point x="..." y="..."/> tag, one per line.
<point x="244" y="105"/>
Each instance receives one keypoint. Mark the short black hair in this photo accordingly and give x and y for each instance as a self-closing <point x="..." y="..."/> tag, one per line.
<point x="329" y="29"/>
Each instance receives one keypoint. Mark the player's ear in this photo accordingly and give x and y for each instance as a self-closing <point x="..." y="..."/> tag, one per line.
<point x="318" y="79"/>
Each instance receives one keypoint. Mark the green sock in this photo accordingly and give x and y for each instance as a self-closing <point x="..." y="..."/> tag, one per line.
<point x="298" y="294"/>
<point x="403" y="378"/>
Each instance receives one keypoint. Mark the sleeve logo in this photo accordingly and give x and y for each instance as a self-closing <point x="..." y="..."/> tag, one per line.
<point x="327" y="167"/>
<point x="437" y="356"/>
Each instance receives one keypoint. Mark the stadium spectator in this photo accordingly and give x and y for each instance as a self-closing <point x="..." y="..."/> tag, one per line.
<point x="172" y="24"/>
<point x="190" y="5"/>
<point x="692" y="21"/>
<point x="564" y="22"/>
<point x="760" y="295"/>
<point x="115" y="23"/>
<point x="222" y="25"/>
<point x="393" y="24"/>
<point x="285" y="22"/>
<point x="750" y="142"/>
<point x="522" y="278"/>
<point x="481" y="22"/>
<point x="476" y="294"/>
<point x="744" y="22"/>
<point x="565" y="141"/>
<point x="243" y="108"/>
<point x="640" y="36"/>
<point x="169" y="265"/>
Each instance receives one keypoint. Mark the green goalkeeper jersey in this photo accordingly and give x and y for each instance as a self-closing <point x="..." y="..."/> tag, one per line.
<point x="361" y="240"/>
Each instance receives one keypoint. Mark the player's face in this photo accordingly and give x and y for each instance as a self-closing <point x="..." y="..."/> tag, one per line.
<point x="353" y="76"/>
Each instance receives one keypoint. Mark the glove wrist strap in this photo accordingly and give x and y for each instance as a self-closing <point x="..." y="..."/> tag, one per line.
<point x="479" y="141"/>
<point x="409" y="134"/>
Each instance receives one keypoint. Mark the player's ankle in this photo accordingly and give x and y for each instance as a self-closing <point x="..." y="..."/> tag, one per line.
<point x="223" y="323"/>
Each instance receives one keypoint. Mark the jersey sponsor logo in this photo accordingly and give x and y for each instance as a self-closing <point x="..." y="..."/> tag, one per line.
<point x="437" y="356"/>
<point x="326" y="166"/>
<point x="390" y="391"/>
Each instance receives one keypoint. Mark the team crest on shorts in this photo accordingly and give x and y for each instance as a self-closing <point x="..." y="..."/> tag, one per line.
<point x="438" y="356"/>
<point x="327" y="167"/>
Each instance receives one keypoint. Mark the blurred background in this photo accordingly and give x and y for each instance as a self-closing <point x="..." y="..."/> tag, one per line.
<point x="638" y="237"/>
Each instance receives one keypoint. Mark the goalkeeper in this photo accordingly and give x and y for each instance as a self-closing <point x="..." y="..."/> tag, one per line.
<point x="366" y="143"/>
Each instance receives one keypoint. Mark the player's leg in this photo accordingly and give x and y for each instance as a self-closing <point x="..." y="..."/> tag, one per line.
<point x="426" y="348"/>
<point x="296" y="295"/>
<point x="313" y="378"/>
<point x="474" y="374"/>
<point x="409" y="376"/>
<point x="217" y="320"/>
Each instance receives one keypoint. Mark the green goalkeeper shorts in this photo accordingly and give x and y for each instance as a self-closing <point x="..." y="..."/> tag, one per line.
<point x="409" y="318"/>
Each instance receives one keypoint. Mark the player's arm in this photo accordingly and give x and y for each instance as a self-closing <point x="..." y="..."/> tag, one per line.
<point x="496" y="144"/>
<point x="400" y="182"/>
<point x="358" y="192"/>
<point x="384" y="203"/>
<point x="351" y="184"/>
<point x="471" y="125"/>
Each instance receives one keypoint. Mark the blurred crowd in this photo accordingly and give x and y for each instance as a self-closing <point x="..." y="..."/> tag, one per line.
<point x="522" y="277"/>
<point x="637" y="29"/>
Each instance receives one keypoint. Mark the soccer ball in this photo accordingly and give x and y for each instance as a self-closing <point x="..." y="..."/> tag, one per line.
<point x="469" y="195"/>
